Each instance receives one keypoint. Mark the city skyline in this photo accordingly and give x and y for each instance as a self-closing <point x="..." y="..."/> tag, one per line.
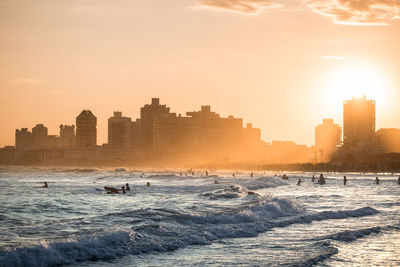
<point x="118" y="113"/>
<point x="239" y="58"/>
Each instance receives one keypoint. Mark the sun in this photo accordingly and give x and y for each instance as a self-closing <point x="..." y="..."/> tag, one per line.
<point x="356" y="81"/>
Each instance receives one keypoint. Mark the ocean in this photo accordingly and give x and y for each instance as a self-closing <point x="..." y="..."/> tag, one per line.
<point x="190" y="220"/>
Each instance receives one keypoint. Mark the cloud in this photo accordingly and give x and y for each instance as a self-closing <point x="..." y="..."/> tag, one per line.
<point x="358" y="12"/>
<point x="24" y="81"/>
<point x="242" y="6"/>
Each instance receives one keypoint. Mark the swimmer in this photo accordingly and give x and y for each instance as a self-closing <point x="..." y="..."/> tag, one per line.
<point x="123" y="190"/>
<point x="216" y="182"/>
<point x="344" y="180"/>
<point x="299" y="182"/>
<point x="251" y="174"/>
<point x="148" y="184"/>
<point x="321" y="179"/>
<point x="127" y="187"/>
<point x="45" y="185"/>
<point x="377" y="181"/>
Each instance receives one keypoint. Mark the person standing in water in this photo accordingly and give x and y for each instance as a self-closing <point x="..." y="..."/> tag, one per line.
<point x="299" y="182"/>
<point x="123" y="190"/>
<point x="398" y="181"/>
<point x="127" y="187"/>
<point x="377" y="181"/>
<point x="251" y="174"/>
<point x="322" y="179"/>
<point x="344" y="180"/>
<point x="45" y="185"/>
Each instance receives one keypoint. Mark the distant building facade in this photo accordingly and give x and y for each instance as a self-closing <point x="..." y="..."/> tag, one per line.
<point x="86" y="130"/>
<point x="67" y="136"/>
<point x="149" y="118"/>
<point x="389" y="140"/>
<point x="358" y="122"/>
<point x="200" y="133"/>
<point x="328" y="136"/>
<point x="120" y="132"/>
<point x="40" y="137"/>
<point x="23" y="139"/>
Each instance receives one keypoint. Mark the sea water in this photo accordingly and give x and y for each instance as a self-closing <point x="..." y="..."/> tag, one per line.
<point x="189" y="220"/>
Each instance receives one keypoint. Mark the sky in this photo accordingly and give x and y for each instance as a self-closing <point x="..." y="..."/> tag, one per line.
<point x="283" y="65"/>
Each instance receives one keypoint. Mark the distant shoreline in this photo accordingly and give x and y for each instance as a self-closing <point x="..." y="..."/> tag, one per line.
<point x="290" y="167"/>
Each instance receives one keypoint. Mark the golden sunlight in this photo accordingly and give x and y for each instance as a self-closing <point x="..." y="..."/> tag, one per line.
<point x="357" y="81"/>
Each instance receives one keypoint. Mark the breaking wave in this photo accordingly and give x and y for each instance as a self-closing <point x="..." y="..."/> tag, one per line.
<point x="233" y="191"/>
<point x="177" y="230"/>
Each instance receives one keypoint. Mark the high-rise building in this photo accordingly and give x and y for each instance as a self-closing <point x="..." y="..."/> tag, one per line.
<point x="40" y="136"/>
<point x="201" y="134"/>
<point x="23" y="139"/>
<point x="328" y="137"/>
<point x="149" y="115"/>
<point x="358" y="121"/>
<point x="119" y="132"/>
<point x="86" y="131"/>
<point x="389" y="140"/>
<point x="67" y="136"/>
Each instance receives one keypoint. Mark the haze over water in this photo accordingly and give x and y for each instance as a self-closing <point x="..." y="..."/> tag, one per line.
<point x="282" y="65"/>
<point x="191" y="221"/>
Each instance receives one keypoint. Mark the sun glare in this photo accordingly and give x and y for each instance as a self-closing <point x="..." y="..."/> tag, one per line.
<point x="357" y="81"/>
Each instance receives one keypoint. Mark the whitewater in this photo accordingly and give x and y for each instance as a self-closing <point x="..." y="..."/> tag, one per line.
<point x="196" y="220"/>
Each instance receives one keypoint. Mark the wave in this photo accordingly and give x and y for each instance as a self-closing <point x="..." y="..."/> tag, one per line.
<point x="324" y="253"/>
<point x="233" y="191"/>
<point x="351" y="235"/>
<point x="78" y="170"/>
<point x="264" y="182"/>
<point x="177" y="230"/>
<point x="264" y="210"/>
<point x="160" y="176"/>
<point x="110" y="246"/>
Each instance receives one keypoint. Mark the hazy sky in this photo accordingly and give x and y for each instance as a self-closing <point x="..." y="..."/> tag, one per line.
<point x="281" y="64"/>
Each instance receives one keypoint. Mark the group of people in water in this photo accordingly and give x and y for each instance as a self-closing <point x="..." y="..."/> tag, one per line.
<point x="124" y="188"/>
<point x="113" y="190"/>
<point x="322" y="181"/>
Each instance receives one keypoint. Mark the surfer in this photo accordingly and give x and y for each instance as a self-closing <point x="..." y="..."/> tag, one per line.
<point x="299" y="182"/>
<point x="321" y="179"/>
<point x="127" y="187"/>
<point x="377" y="181"/>
<point x="111" y="190"/>
<point x="45" y="185"/>
<point x="344" y="180"/>
<point x="123" y="190"/>
<point x="284" y="177"/>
